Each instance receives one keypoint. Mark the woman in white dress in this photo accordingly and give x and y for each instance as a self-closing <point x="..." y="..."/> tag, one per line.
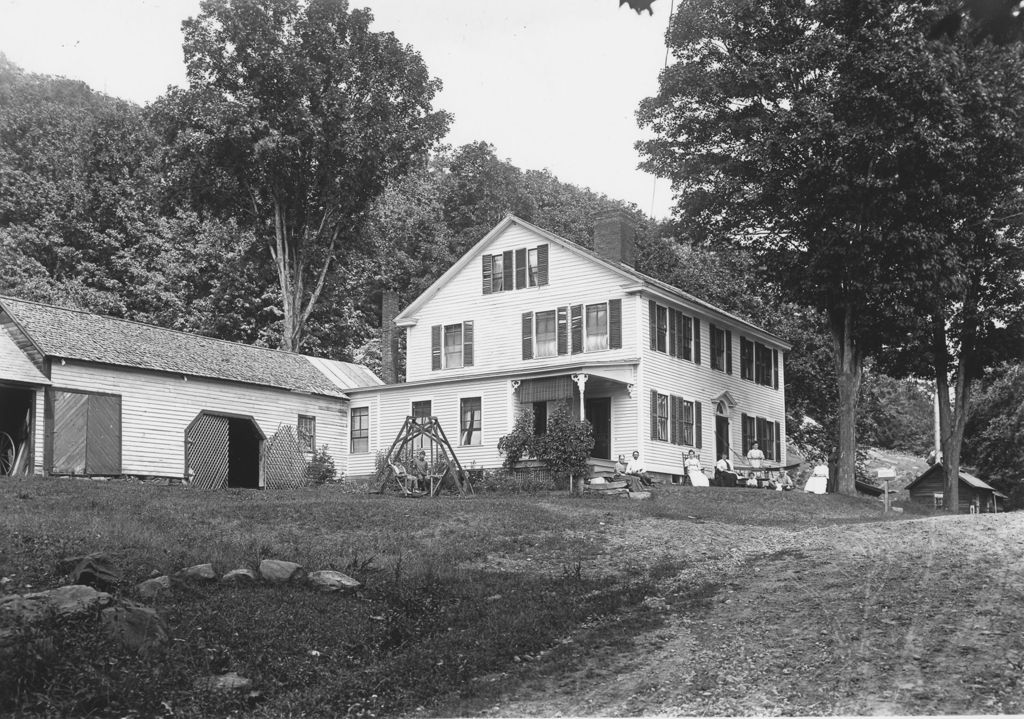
<point x="691" y="465"/>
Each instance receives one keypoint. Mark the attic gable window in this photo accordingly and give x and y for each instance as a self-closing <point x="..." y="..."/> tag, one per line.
<point x="451" y="346"/>
<point x="515" y="269"/>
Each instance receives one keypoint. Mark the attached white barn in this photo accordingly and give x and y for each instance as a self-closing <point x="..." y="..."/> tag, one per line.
<point x="83" y="394"/>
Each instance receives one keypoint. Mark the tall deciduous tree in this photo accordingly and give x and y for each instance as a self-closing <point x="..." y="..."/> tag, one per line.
<point x="296" y="117"/>
<point x="825" y="136"/>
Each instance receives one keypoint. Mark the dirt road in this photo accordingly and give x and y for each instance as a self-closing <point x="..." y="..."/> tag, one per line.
<point x="915" y="617"/>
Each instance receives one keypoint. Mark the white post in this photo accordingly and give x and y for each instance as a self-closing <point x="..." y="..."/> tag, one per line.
<point x="581" y="382"/>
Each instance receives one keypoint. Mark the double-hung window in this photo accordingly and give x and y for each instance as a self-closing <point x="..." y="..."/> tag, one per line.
<point x="546" y="343"/>
<point x="533" y="265"/>
<point x="307" y="433"/>
<point x="453" y="345"/>
<point x="597" y="327"/>
<point x="472" y="421"/>
<point x="359" y="430"/>
<point x="661" y="418"/>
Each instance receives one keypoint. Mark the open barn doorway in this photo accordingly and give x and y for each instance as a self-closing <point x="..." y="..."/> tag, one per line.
<point x="16" y="415"/>
<point x="224" y="450"/>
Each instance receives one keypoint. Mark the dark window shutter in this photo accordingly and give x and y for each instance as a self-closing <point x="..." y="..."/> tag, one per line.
<point x="746" y="359"/>
<point x="687" y="352"/>
<point x="680" y="345"/>
<point x="652" y="307"/>
<point x="527" y="335"/>
<point x="778" y="443"/>
<point x="615" y="324"/>
<point x="467" y="343"/>
<point x="775" y="368"/>
<point x="672" y="350"/>
<point x="542" y="265"/>
<point x="697" y="422"/>
<point x="562" y="330"/>
<point x="520" y="268"/>
<point x="576" y="327"/>
<point x="728" y="351"/>
<point x="654" y="414"/>
<point x="435" y="347"/>
<point x="696" y="340"/>
<point x="745" y="431"/>
<point x="507" y="270"/>
<point x="487" y="264"/>
<point x="673" y="403"/>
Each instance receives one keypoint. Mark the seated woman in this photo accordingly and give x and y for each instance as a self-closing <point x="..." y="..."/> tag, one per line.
<point x="693" y="470"/>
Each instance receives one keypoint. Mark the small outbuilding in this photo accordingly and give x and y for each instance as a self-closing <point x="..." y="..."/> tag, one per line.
<point x="973" y="493"/>
<point x="85" y="394"/>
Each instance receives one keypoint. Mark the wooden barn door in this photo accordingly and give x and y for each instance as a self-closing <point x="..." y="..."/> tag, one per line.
<point x="86" y="435"/>
<point x="207" y="441"/>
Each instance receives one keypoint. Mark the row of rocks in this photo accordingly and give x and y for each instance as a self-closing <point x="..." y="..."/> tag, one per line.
<point x="137" y="626"/>
<point x="275" y="571"/>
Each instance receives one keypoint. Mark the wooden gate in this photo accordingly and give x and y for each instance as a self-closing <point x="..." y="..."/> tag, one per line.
<point x="206" y="452"/>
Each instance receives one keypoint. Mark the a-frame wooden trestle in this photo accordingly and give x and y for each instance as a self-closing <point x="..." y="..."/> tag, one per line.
<point x="426" y="434"/>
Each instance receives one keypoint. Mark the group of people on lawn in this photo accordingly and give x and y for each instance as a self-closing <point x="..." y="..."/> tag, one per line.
<point x="635" y="473"/>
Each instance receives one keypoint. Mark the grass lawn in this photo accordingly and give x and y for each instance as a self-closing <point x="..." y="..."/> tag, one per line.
<point x="467" y="603"/>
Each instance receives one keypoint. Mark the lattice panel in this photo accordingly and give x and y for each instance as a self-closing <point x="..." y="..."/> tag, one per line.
<point x="206" y="452"/>
<point x="284" y="464"/>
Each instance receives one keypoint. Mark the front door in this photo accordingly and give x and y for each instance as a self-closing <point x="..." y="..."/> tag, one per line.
<point x="599" y="413"/>
<point x="721" y="436"/>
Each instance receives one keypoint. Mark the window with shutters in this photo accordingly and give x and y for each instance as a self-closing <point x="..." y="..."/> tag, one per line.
<point x="662" y="418"/>
<point x="687" y="434"/>
<point x="597" y="327"/>
<point x="546" y="334"/>
<point x="759" y="363"/>
<point x="515" y="269"/>
<point x="721" y="348"/>
<point x="359" y="430"/>
<point x="451" y="346"/>
<point x="497" y="273"/>
<point x="471" y="411"/>
<point x="673" y="332"/>
<point x="572" y="330"/>
<point x="662" y="329"/>
<point x="767" y="434"/>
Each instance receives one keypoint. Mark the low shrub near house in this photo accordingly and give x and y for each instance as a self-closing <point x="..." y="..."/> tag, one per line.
<point x="321" y="467"/>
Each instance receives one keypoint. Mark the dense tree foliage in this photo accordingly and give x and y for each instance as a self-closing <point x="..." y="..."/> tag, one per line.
<point x="296" y="117"/>
<point x="840" y="145"/>
<point x="994" y="435"/>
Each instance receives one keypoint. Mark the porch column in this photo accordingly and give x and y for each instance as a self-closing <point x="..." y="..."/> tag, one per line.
<point x="581" y="382"/>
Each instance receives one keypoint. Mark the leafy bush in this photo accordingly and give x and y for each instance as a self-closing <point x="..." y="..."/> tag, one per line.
<point x="566" y="446"/>
<point x="321" y="468"/>
<point x="519" y="442"/>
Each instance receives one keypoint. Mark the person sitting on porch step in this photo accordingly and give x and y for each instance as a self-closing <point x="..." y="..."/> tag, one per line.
<point x="636" y="468"/>
<point x="620" y="466"/>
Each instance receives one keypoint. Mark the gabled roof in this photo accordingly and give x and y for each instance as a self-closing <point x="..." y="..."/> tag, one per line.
<point x="78" y="335"/>
<point x="15" y="366"/>
<point x="968" y="479"/>
<point x="643" y="282"/>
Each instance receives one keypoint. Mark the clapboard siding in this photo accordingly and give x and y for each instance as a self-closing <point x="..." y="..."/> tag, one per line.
<point x="573" y="279"/>
<point x="698" y="382"/>
<point x="157" y="407"/>
<point x="389" y="409"/>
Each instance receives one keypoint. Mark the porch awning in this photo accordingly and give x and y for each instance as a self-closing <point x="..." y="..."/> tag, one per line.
<point x="545" y="389"/>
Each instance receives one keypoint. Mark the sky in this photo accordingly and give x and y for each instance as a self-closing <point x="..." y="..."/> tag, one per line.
<point x="551" y="84"/>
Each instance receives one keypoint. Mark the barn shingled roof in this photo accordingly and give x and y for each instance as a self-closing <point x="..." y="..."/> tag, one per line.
<point x="79" y="335"/>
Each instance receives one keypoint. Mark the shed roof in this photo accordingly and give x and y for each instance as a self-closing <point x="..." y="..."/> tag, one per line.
<point x="968" y="479"/>
<point x="15" y="366"/>
<point x="79" y="335"/>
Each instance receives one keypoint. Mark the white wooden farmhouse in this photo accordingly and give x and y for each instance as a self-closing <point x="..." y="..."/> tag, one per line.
<point x="83" y="394"/>
<point x="527" y="319"/>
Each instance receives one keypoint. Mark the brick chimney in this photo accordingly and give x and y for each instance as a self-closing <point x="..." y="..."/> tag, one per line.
<point x="615" y="237"/>
<point x="389" y="337"/>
